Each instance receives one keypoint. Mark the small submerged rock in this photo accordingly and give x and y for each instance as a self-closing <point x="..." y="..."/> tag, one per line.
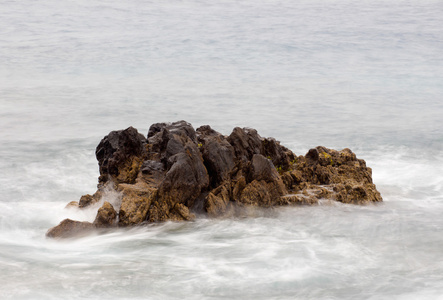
<point x="176" y="172"/>
<point x="69" y="228"/>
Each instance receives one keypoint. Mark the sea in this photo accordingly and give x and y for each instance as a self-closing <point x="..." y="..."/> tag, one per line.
<point x="365" y="75"/>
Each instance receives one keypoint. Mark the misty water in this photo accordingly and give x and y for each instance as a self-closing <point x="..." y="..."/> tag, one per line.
<point x="365" y="75"/>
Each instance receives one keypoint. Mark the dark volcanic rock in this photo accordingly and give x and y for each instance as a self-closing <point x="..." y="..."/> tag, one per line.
<point x="280" y="156"/>
<point x="156" y="128"/>
<point x="178" y="171"/>
<point x="218" y="154"/>
<point x="246" y="143"/>
<point x="151" y="166"/>
<point x="263" y="169"/>
<point x="168" y="139"/>
<point x="120" y="155"/>
<point x="182" y="128"/>
<point x="186" y="178"/>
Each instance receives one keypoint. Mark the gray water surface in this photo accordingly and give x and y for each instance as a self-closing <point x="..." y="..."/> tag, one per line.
<point x="365" y="75"/>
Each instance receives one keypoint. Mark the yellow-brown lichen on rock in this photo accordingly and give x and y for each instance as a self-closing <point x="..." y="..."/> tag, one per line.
<point x="106" y="216"/>
<point x="180" y="212"/>
<point x="88" y="200"/>
<point x="136" y="201"/>
<point x="357" y="194"/>
<point x="128" y="172"/>
<point x="298" y="199"/>
<point x="217" y="201"/>
<point x="262" y="193"/>
<point x="348" y="177"/>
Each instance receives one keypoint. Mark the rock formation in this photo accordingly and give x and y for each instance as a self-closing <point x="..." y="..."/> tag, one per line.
<point x="177" y="172"/>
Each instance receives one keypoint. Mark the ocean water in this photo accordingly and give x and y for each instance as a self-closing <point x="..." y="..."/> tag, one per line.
<point x="367" y="75"/>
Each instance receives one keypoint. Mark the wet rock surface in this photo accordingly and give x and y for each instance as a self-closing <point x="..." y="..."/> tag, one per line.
<point x="106" y="216"/>
<point x="69" y="228"/>
<point x="176" y="173"/>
